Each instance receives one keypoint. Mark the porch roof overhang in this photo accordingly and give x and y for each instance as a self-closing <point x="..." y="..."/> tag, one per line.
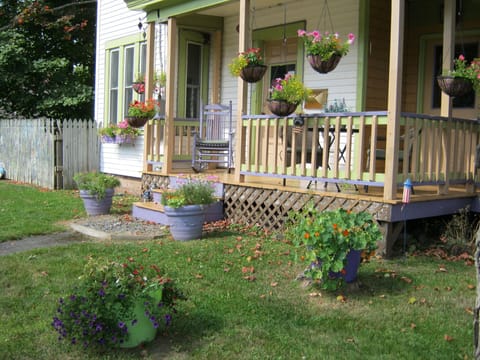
<point x="161" y="10"/>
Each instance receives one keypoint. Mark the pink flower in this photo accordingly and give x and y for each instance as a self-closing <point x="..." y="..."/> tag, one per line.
<point x="461" y="57"/>
<point x="301" y="32"/>
<point x="123" y="124"/>
<point x="351" y="38"/>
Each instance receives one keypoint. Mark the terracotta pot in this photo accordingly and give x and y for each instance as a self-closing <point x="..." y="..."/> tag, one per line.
<point x="136" y="122"/>
<point x="322" y="66"/>
<point x="454" y="86"/>
<point x="281" y="107"/>
<point x="252" y="74"/>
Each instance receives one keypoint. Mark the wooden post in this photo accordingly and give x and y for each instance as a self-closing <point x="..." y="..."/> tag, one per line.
<point x="394" y="98"/>
<point x="244" y="31"/>
<point x="446" y="101"/>
<point x="148" y="91"/>
<point x="169" y="138"/>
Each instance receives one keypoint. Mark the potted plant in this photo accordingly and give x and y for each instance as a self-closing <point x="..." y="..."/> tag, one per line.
<point x="185" y="208"/>
<point x="333" y="242"/>
<point x="139" y="112"/>
<point x="116" y="304"/>
<point x="96" y="191"/>
<point x="118" y="133"/>
<point x="285" y="95"/>
<point x="325" y="51"/>
<point x="139" y="84"/>
<point x="462" y="79"/>
<point x="248" y="65"/>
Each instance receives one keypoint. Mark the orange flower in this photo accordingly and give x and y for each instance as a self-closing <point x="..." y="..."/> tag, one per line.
<point x="335" y="226"/>
<point x="316" y="233"/>
<point x="306" y="235"/>
<point x="345" y="232"/>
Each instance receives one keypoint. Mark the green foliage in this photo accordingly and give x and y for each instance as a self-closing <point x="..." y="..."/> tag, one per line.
<point x="98" y="309"/>
<point x="251" y="57"/>
<point x="325" y="45"/>
<point x="123" y="128"/>
<point x="145" y="109"/>
<point x="289" y="89"/>
<point x="192" y="192"/>
<point x="96" y="182"/>
<point x="326" y="237"/>
<point x="470" y="72"/>
<point x="46" y="59"/>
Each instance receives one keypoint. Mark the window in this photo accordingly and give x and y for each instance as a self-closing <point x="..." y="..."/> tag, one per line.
<point x="125" y="61"/>
<point x="113" y="93"/>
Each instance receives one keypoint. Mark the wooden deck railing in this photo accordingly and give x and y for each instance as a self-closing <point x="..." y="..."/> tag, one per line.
<point x="350" y="148"/>
<point x="342" y="148"/>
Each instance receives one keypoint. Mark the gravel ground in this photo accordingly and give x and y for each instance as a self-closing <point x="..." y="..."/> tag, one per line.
<point x="113" y="227"/>
<point x="123" y="225"/>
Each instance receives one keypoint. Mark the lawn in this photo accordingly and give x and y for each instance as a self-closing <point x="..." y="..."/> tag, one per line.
<point x="244" y="303"/>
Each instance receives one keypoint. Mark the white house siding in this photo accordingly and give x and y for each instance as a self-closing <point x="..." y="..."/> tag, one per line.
<point x="123" y="159"/>
<point x="341" y="83"/>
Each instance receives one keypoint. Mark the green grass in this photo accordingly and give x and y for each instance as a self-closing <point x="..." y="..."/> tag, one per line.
<point x="26" y="210"/>
<point x="404" y="309"/>
<point x="414" y="308"/>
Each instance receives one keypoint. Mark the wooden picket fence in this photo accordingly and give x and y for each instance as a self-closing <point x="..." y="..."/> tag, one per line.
<point x="47" y="152"/>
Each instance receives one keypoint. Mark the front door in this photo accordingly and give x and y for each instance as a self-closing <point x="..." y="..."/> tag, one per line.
<point x="192" y="72"/>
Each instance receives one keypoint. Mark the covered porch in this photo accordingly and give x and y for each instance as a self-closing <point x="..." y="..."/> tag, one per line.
<point x="358" y="160"/>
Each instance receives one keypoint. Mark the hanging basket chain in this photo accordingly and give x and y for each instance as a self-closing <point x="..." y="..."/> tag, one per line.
<point x="325" y="15"/>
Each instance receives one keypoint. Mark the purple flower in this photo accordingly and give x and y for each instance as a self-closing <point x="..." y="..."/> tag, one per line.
<point x="168" y="319"/>
<point x="134" y="321"/>
<point x="101" y="292"/>
<point x="121" y="324"/>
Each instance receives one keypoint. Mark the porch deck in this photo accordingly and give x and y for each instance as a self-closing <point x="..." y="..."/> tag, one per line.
<point x="336" y="160"/>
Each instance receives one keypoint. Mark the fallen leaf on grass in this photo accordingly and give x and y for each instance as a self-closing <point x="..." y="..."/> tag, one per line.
<point x="469" y="310"/>
<point x="250" y="278"/>
<point x="341" y="298"/>
<point x="406" y="279"/>
<point x="471" y="287"/>
<point x="273" y="284"/>
<point x="198" y="276"/>
<point x="447" y="337"/>
<point x="315" y="294"/>
<point x="412" y="300"/>
<point x="226" y="269"/>
<point x="413" y="325"/>
<point x="442" y="268"/>
<point x="247" y="269"/>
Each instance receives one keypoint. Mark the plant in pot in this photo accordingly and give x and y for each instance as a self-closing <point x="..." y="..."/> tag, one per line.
<point x="139" y="112"/>
<point x="116" y="304"/>
<point x="139" y="84"/>
<point x="324" y="51"/>
<point x="248" y="65"/>
<point x="286" y="94"/>
<point x="96" y="191"/>
<point x="185" y="208"/>
<point x="462" y="79"/>
<point x="118" y="133"/>
<point x="333" y="242"/>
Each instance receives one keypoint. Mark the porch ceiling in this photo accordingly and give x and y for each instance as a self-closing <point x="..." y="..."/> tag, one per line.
<point x="231" y="8"/>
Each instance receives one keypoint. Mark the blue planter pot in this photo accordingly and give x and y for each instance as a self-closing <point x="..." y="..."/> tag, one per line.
<point x="186" y="222"/>
<point x="354" y="258"/>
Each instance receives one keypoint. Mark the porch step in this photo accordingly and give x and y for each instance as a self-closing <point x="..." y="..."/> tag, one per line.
<point x="153" y="211"/>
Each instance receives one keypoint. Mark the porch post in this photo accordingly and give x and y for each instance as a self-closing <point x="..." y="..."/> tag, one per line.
<point x="149" y="90"/>
<point x="244" y="31"/>
<point x="394" y="98"/>
<point x="169" y="138"/>
<point x="446" y="101"/>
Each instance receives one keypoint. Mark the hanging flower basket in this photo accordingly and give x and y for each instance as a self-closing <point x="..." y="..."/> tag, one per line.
<point x="136" y="121"/>
<point x="454" y="86"/>
<point x="281" y="107"/>
<point x="323" y="66"/>
<point x="253" y="73"/>
<point x="139" y="87"/>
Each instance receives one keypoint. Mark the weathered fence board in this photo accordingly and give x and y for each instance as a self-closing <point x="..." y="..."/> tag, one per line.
<point x="48" y="152"/>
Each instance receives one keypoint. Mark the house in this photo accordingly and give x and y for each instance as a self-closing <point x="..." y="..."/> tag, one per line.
<point x="396" y="123"/>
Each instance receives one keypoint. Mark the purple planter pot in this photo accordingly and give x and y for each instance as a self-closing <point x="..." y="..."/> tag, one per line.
<point x="354" y="258"/>
<point x="94" y="206"/>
